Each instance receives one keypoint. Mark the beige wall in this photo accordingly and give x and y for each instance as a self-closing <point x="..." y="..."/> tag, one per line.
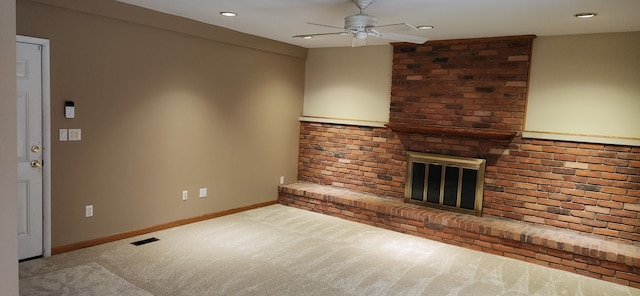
<point x="8" y="179"/>
<point x="349" y="83"/>
<point x="161" y="111"/>
<point x="585" y="88"/>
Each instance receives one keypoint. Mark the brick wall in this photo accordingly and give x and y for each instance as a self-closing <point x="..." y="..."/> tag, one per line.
<point x="472" y="83"/>
<point x="480" y="84"/>
<point x="364" y="159"/>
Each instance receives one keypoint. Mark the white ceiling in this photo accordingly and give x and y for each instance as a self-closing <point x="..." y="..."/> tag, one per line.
<point x="453" y="19"/>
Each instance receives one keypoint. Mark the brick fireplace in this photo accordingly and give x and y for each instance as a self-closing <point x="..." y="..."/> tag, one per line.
<point x="467" y="98"/>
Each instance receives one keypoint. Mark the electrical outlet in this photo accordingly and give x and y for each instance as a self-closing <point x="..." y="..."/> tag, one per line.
<point x="88" y="211"/>
<point x="203" y="192"/>
<point x="185" y="194"/>
<point x="281" y="180"/>
<point x="75" y="134"/>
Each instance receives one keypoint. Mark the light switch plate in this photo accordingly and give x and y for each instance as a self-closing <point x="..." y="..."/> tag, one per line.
<point x="203" y="192"/>
<point x="63" y="135"/>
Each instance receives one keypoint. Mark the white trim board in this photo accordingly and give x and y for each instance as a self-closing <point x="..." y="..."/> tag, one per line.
<point x="580" y="138"/>
<point x="343" y="121"/>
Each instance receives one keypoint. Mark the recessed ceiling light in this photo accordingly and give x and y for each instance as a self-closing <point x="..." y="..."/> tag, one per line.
<point x="303" y="36"/>
<point x="425" y="27"/>
<point x="585" y="15"/>
<point x="228" y="13"/>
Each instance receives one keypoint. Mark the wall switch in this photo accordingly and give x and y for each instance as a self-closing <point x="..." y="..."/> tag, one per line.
<point x="185" y="194"/>
<point x="75" y="134"/>
<point x="63" y="135"/>
<point x="88" y="211"/>
<point x="281" y="180"/>
<point x="203" y="192"/>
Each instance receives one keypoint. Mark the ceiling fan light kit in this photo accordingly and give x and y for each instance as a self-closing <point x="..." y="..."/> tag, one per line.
<point x="362" y="25"/>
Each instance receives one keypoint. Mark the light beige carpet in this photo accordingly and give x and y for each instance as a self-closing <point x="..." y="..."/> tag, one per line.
<point x="86" y="279"/>
<point x="279" y="250"/>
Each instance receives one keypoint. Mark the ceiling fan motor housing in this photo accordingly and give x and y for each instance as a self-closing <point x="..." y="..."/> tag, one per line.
<point x="360" y="22"/>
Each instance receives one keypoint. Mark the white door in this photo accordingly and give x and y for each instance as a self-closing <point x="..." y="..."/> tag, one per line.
<point x="30" y="214"/>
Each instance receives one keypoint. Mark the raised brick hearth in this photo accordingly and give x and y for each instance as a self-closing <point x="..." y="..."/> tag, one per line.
<point x="561" y="249"/>
<point x="467" y="98"/>
<point x="590" y="188"/>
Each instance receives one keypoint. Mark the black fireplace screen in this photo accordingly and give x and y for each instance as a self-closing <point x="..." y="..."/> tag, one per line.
<point x="444" y="181"/>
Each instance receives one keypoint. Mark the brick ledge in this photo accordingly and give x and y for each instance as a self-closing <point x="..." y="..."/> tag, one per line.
<point x="624" y="258"/>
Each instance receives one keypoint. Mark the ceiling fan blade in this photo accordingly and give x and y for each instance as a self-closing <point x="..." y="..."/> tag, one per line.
<point x="405" y="38"/>
<point x="395" y="27"/>
<point x="374" y="33"/>
<point x="328" y="26"/>
<point x="320" y="34"/>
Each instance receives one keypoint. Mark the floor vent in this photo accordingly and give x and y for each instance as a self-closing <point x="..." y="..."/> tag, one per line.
<point x="145" y="241"/>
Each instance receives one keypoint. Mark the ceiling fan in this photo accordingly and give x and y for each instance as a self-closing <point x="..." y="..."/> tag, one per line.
<point x="362" y="25"/>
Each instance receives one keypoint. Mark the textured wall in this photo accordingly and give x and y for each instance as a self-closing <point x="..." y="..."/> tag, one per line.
<point x="348" y="83"/>
<point x="161" y="111"/>
<point x="585" y="88"/>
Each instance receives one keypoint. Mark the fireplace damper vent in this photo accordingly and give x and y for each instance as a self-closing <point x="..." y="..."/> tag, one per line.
<point x="446" y="182"/>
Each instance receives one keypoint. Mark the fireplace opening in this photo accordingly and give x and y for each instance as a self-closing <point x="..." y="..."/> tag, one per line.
<point x="446" y="182"/>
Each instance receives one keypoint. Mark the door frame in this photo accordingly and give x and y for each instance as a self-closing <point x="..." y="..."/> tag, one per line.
<point x="46" y="139"/>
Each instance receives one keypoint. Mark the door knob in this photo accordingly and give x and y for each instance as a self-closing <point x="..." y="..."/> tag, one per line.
<point x="36" y="164"/>
<point x="35" y="148"/>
